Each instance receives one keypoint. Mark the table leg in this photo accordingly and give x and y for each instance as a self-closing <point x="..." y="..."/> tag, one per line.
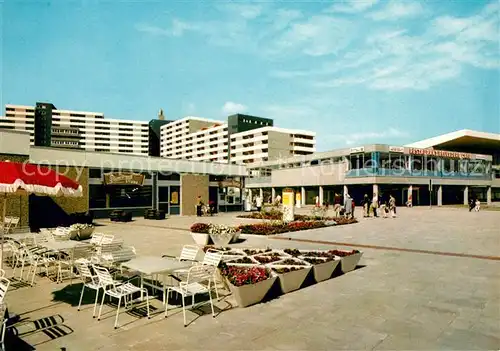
<point x="142" y="287"/>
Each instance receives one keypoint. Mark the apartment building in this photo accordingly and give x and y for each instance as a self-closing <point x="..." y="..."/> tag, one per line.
<point x="49" y="126"/>
<point x="242" y="139"/>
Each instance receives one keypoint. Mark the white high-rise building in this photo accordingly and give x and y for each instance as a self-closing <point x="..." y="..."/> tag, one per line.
<point x="77" y="129"/>
<point x="243" y="139"/>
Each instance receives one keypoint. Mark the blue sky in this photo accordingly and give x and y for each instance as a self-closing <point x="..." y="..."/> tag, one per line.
<point x="355" y="72"/>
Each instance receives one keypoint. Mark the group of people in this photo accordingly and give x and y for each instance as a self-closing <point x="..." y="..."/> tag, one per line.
<point x="201" y="209"/>
<point x="474" y="204"/>
<point x="387" y="206"/>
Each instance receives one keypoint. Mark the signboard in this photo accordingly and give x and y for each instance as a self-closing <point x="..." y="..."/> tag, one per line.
<point x="440" y="153"/>
<point x="174" y="198"/>
<point x="123" y="179"/>
<point x="482" y="157"/>
<point x="230" y="184"/>
<point x="355" y="150"/>
<point x="396" y="149"/>
<point x="288" y="197"/>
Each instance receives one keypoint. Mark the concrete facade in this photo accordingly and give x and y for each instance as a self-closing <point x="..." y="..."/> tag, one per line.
<point x="192" y="186"/>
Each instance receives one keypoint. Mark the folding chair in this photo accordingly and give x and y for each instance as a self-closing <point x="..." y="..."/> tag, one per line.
<point x="194" y="286"/>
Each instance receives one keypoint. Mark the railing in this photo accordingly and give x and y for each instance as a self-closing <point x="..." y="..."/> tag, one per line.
<point x="386" y="172"/>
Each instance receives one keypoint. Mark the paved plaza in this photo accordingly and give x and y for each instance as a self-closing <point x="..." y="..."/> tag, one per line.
<point x="429" y="279"/>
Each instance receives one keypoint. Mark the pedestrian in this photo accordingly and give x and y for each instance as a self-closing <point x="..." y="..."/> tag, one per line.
<point x="199" y="205"/>
<point x="278" y="200"/>
<point x="348" y="206"/>
<point x="375" y="204"/>
<point x="337" y="205"/>
<point x="366" y="206"/>
<point x="477" y="205"/>
<point x="258" y="203"/>
<point x="353" y="208"/>
<point x="392" y="206"/>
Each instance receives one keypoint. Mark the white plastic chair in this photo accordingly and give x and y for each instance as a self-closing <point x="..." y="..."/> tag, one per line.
<point x="193" y="286"/>
<point x="37" y="261"/>
<point x="96" y="238"/>
<point x="213" y="258"/>
<point x="188" y="253"/>
<point x="107" y="239"/>
<point x="89" y="281"/>
<point x="118" y="290"/>
<point x="66" y="266"/>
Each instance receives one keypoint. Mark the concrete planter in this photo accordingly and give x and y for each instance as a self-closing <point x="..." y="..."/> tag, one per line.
<point x="251" y="294"/>
<point x="293" y="280"/>
<point x="236" y="237"/>
<point x="232" y="261"/>
<point x="221" y="240"/>
<point x="324" y="271"/>
<point x="200" y="238"/>
<point x="348" y="263"/>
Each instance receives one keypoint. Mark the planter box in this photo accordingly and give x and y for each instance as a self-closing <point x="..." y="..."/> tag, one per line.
<point x="291" y="281"/>
<point x="221" y="240"/>
<point x="200" y="238"/>
<point x="236" y="237"/>
<point x="348" y="263"/>
<point x="324" y="271"/>
<point x="232" y="261"/>
<point x="248" y="295"/>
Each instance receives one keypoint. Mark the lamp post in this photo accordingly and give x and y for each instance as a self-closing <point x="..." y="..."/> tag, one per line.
<point x="430" y="193"/>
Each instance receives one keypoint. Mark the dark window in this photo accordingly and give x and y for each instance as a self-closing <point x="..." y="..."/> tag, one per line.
<point x="163" y="194"/>
<point x="95" y="173"/>
<point x="97" y="196"/>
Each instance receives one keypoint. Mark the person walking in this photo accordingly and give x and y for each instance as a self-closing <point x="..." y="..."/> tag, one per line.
<point x="337" y="205"/>
<point x="199" y="205"/>
<point x="374" y="204"/>
<point x="366" y="206"/>
<point x="258" y="203"/>
<point x="392" y="206"/>
<point x="348" y="206"/>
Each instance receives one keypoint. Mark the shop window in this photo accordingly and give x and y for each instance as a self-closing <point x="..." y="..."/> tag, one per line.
<point x="97" y="196"/>
<point x="129" y="196"/>
<point x="163" y="194"/>
<point x="168" y="176"/>
<point x="175" y="195"/>
<point x="95" y="173"/>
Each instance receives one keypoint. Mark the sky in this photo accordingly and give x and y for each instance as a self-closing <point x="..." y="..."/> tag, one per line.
<point x="355" y="72"/>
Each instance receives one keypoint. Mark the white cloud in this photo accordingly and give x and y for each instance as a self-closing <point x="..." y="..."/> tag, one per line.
<point x="231" y="108"/>
<point x="177" y="28"/>
<point x="248" y="11"/>
<point x="362" y="137"/>
<point x="398" y="9"/>
<point x="317" y="36"/>
<point x="352" y="6"/>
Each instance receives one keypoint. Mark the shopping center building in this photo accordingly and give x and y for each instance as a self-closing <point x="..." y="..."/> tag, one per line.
<point x="448" y="169"/>
<point x="113" y="181"/>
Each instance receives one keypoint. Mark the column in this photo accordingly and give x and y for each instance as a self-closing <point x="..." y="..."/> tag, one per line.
<point x="155" y="204"/>
<point x="466" y="195"/>
<point x="488" y="196"/>
<point x="321" y="196"/>
<point x="440" y="196"/>
<point x="273" y="194"/>
<point x="261" y="194"/>
<point x="346" y="190"/>
<point x="409" y="196"/>
<point x="375" y="189"/>
<point x="303" y="195"/>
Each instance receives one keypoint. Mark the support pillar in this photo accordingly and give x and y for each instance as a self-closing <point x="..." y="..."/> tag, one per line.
<point x="261" y="194"/>
<point x="346" y="191"/>
<point x="273" y="194"/>
<point x="375" y="189"/>
<point x="409" y="197"/>
<point x="488" y="196"/>
<point x="440" y="196"/>
<point x="303" y="195"/>
<point x="466" y="195"/>
<point x="321" y="196"/>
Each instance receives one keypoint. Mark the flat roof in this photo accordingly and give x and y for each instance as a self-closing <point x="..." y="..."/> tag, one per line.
<point x="461" y="138"/>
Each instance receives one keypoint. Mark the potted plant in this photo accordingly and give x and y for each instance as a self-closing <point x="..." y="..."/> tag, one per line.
<point x="348" y="259"/>
<point x="249" y="285"/>
<point x="242" y="260"/>
<point x="220" y="234"/>
<point x="291" y="273"/>
<point x="199" y="233"/>
<point x="323" y="267"/>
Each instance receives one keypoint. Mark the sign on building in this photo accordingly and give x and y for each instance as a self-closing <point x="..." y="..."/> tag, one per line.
<point x="123" y="179"/>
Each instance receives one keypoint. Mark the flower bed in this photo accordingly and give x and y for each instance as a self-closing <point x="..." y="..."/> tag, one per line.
<point x="291" y="261"/>
<point x="243" y="260"/>
<point x="265" y="259"/>
<point x="279" y="228"/>
<point x="255" y="252"/>
<point x="278" y="216"/>
<point x="200" y="228"/>
<point x="249" y="285"/>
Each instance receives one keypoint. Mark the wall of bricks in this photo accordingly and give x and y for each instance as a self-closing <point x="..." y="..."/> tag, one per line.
<point x="18" y="206"/>
<point x="192" y="186"/>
